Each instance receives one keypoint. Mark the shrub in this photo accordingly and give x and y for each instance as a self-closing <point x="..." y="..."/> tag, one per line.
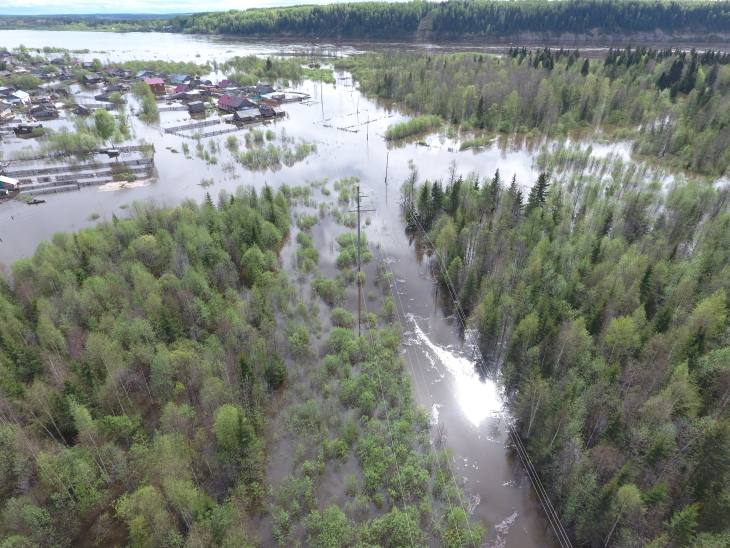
<point x="342" y="318"/>
<point x="411" y="127"/>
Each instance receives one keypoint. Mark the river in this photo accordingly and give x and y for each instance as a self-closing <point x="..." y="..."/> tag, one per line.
<point x="465" y="402"/>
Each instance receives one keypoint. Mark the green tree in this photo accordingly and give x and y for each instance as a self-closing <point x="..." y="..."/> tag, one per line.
<point x="106" y="126"/>
<point x="232" y="430"/>
<point x="683" y="526"/>
<point x="538" y="193"/>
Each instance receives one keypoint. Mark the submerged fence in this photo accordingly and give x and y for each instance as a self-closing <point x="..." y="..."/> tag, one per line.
<point x="204" y="123"/>
<point x="83" y="167"/>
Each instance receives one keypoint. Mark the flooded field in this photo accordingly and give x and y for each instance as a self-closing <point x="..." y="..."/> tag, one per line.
<point x="347" y="128"/>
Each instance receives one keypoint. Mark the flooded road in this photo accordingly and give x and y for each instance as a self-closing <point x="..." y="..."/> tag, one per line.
<point x="347" y="127"/>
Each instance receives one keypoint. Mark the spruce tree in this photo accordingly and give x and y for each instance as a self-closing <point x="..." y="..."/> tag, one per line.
<point x="585" y="68"/>
<point x="538" y="194"/>
<point x="437" y="200"/>
<point x="496" y="187"/>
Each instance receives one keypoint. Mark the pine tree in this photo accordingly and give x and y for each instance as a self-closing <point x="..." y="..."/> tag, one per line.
<point x="585" y="68"/>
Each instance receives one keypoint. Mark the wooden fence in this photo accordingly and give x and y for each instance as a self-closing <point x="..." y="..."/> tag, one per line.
<point x="204" y="123"/>
<point x="64" y="153"/>
<point x="83" y="167"/>
<point x="50" y="190"/>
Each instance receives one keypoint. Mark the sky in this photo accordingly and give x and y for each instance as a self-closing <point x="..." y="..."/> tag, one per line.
<point x="50" y="7"/>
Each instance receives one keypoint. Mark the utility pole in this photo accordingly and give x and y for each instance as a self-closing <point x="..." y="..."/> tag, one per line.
<point x="387" y="158"/>
<point x="359" y="259"/>
<point x="358" y="210"/>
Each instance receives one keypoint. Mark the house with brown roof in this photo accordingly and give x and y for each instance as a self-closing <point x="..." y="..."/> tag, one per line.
<point x="93" y="78"/>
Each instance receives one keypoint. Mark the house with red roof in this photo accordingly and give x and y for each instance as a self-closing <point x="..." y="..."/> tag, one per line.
<point x="232" y="103"/>
<point x="157" y="85"/>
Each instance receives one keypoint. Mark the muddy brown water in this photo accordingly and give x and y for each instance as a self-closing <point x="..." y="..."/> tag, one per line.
<point x="445" y="378"/>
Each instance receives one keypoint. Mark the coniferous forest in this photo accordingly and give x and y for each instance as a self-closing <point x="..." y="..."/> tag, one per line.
<point x="601" y="290"/>
<point x="455" y="19"/>
<point x="604" y="297"/>
<point x="673" y="104"/>
<point x="464" y="19"/>
<point x="152" y="368"/>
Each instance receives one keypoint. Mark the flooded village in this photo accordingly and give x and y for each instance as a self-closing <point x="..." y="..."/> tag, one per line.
<point x="198" y="132"/>
<point x="40" y="95"/>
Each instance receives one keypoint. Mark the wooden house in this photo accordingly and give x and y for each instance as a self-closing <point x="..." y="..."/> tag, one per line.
<point x="157" y="85"/>
<point x="81" y="110"/>
<point x="232" y="103"/>
<point x="264" y="88"/>
<point x="26" y="129"/>
<point x="92" y="78"/>
<point x="177" y="79"/>
<point x="118" y="72"/>
<point x="247" y="115"/>
<point x="196" y="107"/>
<point x="44" y="111"/>
<point x="267" y="111"/>
<point x="18" y="97"/>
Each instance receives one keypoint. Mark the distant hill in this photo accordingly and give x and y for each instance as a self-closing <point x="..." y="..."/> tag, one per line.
<point x="119" y="22"/>
<point x="570" y="20"/>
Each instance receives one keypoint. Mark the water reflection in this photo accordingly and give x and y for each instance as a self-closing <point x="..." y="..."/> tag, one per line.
<point x="477" y="397"/>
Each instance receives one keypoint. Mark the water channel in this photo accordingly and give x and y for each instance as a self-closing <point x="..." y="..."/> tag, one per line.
<point x="445" y="377"/>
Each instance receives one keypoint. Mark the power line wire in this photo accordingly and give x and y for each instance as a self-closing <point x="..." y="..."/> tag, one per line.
<point x="553" y="517"/>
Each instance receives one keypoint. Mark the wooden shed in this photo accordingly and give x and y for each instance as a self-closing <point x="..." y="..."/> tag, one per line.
<point x="247" y="115"/>
<point x="196" y="106"/>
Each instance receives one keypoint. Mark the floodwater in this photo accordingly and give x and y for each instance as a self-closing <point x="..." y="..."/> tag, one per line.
<point x="465" y="402"/>
<point x="191" y="47"/>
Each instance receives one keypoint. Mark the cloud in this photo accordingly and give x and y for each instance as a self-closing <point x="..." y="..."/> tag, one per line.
<point x="102" y="7"/>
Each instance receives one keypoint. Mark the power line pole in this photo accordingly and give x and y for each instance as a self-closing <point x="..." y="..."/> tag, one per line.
<point x="358" y="210"/>
<point x="387" y="157"/>
<point x="359" y="258"/>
